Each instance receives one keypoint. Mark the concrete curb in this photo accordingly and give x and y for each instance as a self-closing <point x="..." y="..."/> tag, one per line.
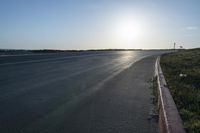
<point x="169" y="118"/>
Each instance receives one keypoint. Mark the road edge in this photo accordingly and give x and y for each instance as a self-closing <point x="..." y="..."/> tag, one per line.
<point x="169" y="118"/>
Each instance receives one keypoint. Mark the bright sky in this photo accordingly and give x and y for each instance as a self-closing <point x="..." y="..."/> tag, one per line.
<point x="97" y="24"/>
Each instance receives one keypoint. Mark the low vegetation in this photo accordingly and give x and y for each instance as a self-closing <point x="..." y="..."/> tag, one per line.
<point x="155" y="92"/>
<point x="182" y="72"/>
<point x="153" y="114"/>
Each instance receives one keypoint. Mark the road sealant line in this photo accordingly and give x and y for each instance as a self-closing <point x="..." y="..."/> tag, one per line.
<point x="169" y="118"/>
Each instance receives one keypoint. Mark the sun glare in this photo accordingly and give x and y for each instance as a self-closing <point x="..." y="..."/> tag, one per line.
<point x="129" y="30"/>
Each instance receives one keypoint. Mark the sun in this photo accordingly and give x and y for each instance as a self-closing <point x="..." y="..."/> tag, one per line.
<point x="129" y="29"/>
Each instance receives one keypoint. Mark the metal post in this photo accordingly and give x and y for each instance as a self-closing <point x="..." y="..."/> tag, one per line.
<point x="174" y="46"/>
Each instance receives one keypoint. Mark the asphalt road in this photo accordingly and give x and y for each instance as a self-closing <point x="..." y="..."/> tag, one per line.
<point x="87" y="92"/>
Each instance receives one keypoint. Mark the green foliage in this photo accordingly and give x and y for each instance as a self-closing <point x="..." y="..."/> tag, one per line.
<point x="182" y="72"/>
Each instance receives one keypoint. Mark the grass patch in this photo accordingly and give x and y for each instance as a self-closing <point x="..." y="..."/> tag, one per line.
<point x="182" y="73"/>
<point x="153" y="114"/>
<point x="155" y="92"/>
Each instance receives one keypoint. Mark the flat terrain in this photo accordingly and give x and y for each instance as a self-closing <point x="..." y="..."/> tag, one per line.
<point x="85" y="92"/>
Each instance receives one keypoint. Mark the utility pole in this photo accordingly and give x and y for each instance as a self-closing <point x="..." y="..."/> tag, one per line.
<point x="174" y="46"/>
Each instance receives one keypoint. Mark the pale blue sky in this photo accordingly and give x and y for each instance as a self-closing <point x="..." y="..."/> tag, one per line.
<point x="97" y="24"/>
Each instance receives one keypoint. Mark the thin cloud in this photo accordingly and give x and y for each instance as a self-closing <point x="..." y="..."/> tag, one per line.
<point x="191" y="28"/>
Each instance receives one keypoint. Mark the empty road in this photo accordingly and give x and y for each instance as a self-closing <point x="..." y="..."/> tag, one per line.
<point x="86" y="92"/>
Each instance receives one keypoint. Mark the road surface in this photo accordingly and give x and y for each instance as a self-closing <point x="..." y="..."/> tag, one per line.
<point x="88" y="92"/>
